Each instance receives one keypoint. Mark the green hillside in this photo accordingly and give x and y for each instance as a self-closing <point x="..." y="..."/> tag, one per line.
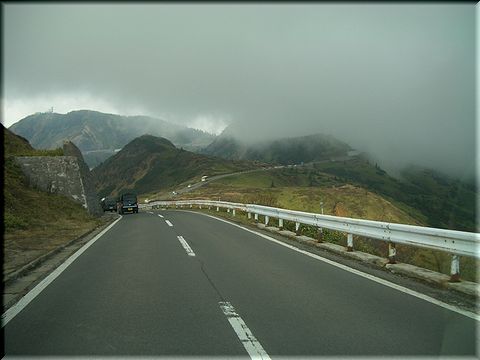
<point x="150" y="163"/>
<point x="303" y="189"/>
<point x="445" y="202"/>
<point x="429" y="198"/>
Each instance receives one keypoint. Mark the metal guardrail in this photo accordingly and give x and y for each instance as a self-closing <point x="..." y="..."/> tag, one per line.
<point x="449" y="241"/>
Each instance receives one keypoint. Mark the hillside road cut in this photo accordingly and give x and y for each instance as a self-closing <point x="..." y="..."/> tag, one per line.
<point x="196" y="185"/>
<point x="177" y="283"/>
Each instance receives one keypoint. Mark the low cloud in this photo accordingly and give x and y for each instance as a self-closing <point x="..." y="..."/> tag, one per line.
<point x="395" y="80"/>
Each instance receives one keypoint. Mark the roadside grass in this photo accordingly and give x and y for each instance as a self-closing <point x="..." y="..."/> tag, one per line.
<point x="346" y="200"/>
<point x="35" y="222"/>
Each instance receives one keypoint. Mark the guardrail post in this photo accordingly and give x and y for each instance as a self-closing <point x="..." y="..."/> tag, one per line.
<point x="349" y="242"/>
<point x="218" y="209"/>
<point x="228" y="210"/>
<point x="455" y="269"/>
<point x="200" y="206"/>
<point x="233" y="212"/>
<point x="191" y="206"/>
<point x="267" y="219"/>
<point x="249" y="215"/>
<point x="297" y="229"/>
<point x="280" y="224"/>
<point x="319" y="234"/>
<point x="392" y="253"/>
<point x="256" y="218"/>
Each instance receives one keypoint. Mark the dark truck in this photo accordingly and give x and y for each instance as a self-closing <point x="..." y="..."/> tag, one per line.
<point x="108" y="204"/>
<point x="127" y="202"/>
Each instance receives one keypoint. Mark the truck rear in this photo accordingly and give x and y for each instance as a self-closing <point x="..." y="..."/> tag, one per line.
<point x="127" y="203"/>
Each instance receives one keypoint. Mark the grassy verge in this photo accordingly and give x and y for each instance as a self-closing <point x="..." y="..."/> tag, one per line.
<point x="345" y="200"/>
<point x="35" y="222"/>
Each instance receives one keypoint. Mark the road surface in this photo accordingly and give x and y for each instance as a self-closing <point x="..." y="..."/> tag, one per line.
<point x="179" y="283"/>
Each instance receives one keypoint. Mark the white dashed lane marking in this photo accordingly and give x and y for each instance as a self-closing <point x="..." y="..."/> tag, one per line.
<point x="249" y="342"/>
<point x="168" y="223"/>
<point x="185" y="245"/>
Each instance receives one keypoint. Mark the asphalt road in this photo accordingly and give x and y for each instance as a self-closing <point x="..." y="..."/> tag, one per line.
<point x="138" y="291"/>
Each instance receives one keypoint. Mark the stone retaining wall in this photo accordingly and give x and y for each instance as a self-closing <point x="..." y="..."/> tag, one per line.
<point x="67" y="175"/>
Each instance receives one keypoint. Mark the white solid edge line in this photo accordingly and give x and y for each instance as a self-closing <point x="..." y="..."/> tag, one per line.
<point x="168" y="223"/>
<point x="357" y="272"/>
<point x="24" y="301"/>
<point x="185" y="245"/>
<point x="249" y="342"/>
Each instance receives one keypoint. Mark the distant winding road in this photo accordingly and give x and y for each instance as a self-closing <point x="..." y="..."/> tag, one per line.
<point x="196" y="185"/>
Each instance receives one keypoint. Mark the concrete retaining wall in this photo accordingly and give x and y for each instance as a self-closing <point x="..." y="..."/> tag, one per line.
<point x="67" y="175"/>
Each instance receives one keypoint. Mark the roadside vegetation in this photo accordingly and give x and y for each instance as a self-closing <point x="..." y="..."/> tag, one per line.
<point x="35" y="222"/>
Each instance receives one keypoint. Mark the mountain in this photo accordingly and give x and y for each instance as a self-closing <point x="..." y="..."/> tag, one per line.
<point x="284" y="151"/>
<point x="98" y="135"/>
<point x="150" y="163"/>
<point x="15" y="144"/>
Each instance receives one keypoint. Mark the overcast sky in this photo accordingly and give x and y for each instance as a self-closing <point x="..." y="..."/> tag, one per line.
<point x="395" y="80"/>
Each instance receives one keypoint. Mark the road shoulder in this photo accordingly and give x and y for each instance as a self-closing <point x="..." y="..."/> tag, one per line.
<point x="20" y="282"/>
<point x="449" y="295"/>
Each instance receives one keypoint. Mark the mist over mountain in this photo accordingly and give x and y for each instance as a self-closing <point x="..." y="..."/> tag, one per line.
<point x="98" y="135"/>
<point x="284" y="151"/>
<point x="443" y="145"/>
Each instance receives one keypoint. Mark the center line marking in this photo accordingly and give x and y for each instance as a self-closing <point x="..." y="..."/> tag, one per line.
<point x="168" y="223"/>
<point x="185" y="245"/>
<point x="160" y="216"/>
<point x="249" y="342"/>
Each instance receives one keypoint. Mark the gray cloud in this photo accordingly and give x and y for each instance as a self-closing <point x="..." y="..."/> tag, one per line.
<point x="396" y="80"/>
